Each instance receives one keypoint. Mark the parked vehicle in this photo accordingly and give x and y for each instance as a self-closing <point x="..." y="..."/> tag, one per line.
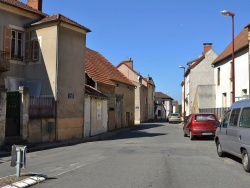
<point x="174" y="118"/>
<point x="233" y="133"/>
<point x="200" y="124"/>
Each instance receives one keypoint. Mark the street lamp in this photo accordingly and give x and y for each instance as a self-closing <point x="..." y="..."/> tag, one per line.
<point x="184" y="112"/>
<point x="227" y="13"/>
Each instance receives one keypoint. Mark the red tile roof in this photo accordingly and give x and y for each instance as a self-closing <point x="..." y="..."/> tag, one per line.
<point x="240" y="42"/>
<point x="161" y="95"/>
<point x="60" y="17"/>
<point x="19" y="4"/>
<point x="102" y="71"/>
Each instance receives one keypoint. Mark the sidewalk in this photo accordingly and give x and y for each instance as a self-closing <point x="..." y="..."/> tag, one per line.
<point x="49" y="145"/>
<point x="34" y="179"/>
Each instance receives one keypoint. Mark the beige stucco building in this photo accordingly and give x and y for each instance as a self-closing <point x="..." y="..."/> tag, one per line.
<point x="47" y="55"/>
<point x="144" y="92"/>
<point x="113" y="84"/>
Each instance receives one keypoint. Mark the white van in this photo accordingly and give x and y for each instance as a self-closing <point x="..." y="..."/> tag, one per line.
<point x="233" y="133"/>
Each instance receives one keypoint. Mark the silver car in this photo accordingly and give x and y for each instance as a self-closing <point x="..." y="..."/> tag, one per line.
<point x="233" y="133"/>
<point x="174" y="118"/>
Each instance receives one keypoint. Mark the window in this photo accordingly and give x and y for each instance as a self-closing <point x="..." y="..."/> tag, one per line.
<point x="234" y="117"/>
<point x="16" y="45"/>
<point x="35" y="50"/>
<point x="245" y="118"/>
<point x="205" y="117"/>
<point x="218" y="76"/>
<point x="244" y="92"/>
<point x="225" y="120"/>
<point x="224" y="99"/>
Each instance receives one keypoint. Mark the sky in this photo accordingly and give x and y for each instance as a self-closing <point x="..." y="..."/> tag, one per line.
<point x="159" y="35"/>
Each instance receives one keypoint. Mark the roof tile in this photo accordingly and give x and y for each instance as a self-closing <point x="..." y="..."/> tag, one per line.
<point x="240" y="42"/>
<point x="101" y="70"/>
<point x="60" y="17"/>
<point x="19" y="4"/>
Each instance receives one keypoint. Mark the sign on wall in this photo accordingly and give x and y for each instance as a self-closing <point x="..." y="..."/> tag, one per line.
<point x="99" y="111"/>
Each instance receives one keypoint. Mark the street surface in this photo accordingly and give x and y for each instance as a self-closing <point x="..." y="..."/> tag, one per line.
<point x="153" y="155"/>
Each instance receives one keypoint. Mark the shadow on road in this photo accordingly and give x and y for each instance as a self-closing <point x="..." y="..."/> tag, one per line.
<point x="137" y="132"/>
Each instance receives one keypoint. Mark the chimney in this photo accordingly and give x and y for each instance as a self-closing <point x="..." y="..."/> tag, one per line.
<point x="36" y="4"/>
<point x="207" y="47"/>
<point x="129" y="63"/>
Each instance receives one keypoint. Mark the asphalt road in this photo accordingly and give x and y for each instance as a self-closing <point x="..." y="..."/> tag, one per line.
<point x="154" y="155"/>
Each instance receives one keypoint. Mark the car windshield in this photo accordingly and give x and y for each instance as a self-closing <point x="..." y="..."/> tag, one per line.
<point x="204" y="117"/>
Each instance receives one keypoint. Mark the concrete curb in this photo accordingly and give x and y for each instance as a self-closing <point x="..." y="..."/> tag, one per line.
<point x="27" y="182"/>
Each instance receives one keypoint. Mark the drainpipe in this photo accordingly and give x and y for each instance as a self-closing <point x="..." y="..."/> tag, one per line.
<point x="56" y="80"/>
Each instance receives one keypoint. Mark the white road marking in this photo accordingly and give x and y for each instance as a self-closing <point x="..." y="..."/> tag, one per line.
<point x="70" y="170"/>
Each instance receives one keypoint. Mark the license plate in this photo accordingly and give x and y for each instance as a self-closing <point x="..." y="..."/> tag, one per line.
<point x="207" y="133"/>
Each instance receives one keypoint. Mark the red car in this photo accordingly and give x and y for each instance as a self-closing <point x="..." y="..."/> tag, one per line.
<point x="200" y="125"/>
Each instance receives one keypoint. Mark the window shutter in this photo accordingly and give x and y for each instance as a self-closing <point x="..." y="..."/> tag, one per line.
<point x="27" y="46"/>
<point x="35" y="50"/>
<point x="7" y="40"/>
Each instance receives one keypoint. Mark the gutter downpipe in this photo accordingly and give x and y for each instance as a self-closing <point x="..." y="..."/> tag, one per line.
<point x="56" y="80"/>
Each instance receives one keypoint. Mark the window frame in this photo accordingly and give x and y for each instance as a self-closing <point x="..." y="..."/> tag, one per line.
<point x="240" y="121"/>
<point x="15" y="52"/>
<point x="234" y="114"/>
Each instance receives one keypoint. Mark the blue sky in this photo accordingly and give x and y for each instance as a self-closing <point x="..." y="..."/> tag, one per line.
<point x="159" y="35"/>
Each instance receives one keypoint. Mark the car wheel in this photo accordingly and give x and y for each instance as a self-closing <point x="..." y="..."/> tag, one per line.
<point x="219" y="149"/>
<point x="245" y="161"/>
<point x="191" y="136"/>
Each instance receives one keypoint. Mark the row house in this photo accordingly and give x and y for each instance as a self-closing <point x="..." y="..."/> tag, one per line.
<point x="144" y="92"/>
<point x="119" y="90"/>
<point x="223" y="71"/>
<point x="163" y="105"/>
<point x="199" y="82"/>
<point x="40" y="55"/>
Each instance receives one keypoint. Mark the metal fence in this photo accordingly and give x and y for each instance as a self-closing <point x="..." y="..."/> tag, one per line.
<point x="218" y="111"/>
<point x="42" y="106"/>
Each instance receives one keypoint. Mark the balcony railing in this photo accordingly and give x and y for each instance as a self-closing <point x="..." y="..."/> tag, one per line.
<point x="4" y="61"/>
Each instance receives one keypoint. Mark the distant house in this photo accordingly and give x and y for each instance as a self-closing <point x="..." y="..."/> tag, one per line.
<point x="113" y="84"/>
<point x="163" y="105"/>
<point x="144" y="92"/>
<point x="223" y="71"/>
<point x="199" y="82"/>
<point x="46" y="55"/>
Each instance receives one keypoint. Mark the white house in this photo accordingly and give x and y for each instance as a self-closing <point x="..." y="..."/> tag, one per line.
<point x="199" y="73"/>
<point x="223" y="71"/>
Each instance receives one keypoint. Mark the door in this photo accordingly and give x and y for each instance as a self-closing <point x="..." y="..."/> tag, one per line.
<point x="244" y="128"/>
<point x="222" y="131"/>
<point x="13" y="114"/>
<point x="127" y="119"/>
<point x="232" y="132"/>
<point x="118" y="113"/>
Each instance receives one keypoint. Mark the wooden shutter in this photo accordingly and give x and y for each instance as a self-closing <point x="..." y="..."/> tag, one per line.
<point x="7" y="40"/>
<point x="35" y="50"/>
<point x="27" y="46"/>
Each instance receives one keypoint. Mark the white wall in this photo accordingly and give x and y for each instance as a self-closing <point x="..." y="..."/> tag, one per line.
<point x="241" y="78"/>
